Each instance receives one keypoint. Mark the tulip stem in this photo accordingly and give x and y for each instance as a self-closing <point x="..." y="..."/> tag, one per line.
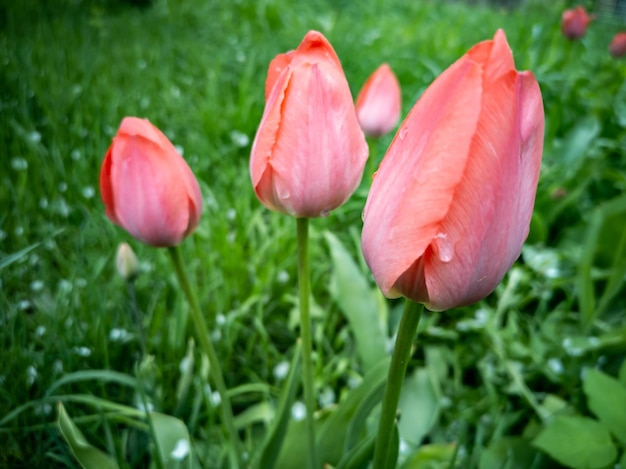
<point x="304" y="289"/>
<point x="399" y="361"/>
<point x="202" y="333"/>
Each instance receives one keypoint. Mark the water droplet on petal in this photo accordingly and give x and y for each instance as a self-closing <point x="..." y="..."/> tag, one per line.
<point x="445" y="248"/>
<point x="324" y="213"/>
<point x="403" y="132"/>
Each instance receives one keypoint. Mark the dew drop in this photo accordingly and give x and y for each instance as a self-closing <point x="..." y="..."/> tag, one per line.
<point x="445" y="248"/>
<point x="324" y="213"/>
<point x="403" y="132"/>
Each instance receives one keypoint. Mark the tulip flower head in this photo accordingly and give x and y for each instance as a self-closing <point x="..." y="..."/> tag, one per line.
<point x="147" y="187"/>
<point x="450" y="206"/>
<point x="617" y="48"/>
<point x="309" y="151"/>
<point x="574" y="23"/>
<point x="379" y="102"/>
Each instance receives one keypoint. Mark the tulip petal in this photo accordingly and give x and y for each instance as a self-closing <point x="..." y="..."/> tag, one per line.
<point x="149" y="205"/>
<point x="404" y="209"/>
<point x="147" y="187"/>
<point x="448" y="239"/>
<point x="309" y="152"/>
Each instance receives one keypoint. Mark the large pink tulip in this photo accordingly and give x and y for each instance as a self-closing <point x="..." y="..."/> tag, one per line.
<point x="379" y="102"/>
<point x="147" y="187"/>
<point x="450" y="206"/>
<point x="309" y="152"/>
<point x="574" y="23"/>
<point x="617" y="47"/>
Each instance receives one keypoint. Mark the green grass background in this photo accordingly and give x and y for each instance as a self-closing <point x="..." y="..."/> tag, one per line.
<point x="70" y="70"/>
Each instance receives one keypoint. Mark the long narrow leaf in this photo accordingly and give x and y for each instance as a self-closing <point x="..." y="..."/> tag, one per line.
<point x="87" y="455"/>
<point x="278" y="430"/>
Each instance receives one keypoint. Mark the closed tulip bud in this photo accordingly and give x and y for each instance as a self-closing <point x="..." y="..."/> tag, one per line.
<point x="617" y="48"/>
<point x="147" y="187"/>
<point x="450" y="205"/>
<point x="379" y="102"/>
<point x="309" y="151"/>
<point x="126" y="262"/>
<point x="574" y="23"/>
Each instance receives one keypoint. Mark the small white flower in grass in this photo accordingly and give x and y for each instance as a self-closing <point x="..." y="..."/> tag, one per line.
<point x="230" y="237"/>
<point x="119" y="335"/>
<point x="181" y="450"/>
<point x="220" y="319"/>
<point x="556" y="366"/>
<point x="231" y="214"/>
<point x="34" y="136"/>
<point x="180" y="149"/>
<point x="43" y="203"/>
<point x="281" y="370"/>
<point x="75" y="154"/>
<point x="36" y="285"/>
<point x="62" y="186"/>
<point x="31" y="375"/>
<point x="81" y="282"/>
<point x="283" y="277"/>
<point x="327" y="397"/>
<point x="24" y="305"/>
<point x="88" y="192"/>
<point x="572" y="349"/>
<point x="298" y="411"/>
<point x="404" y="449"/>
<point x="40" y="331"/>
<point x="19" y="231"/>
<point x="43" y="409"/>
<point x="19" y="164"/>
<point x="215" y="399"/>
<point x="146" y="407"/>
<point x="239" y="139"/>
<point x="185" y="364"/>
<point x="354" y="381"/>
<point x="82" y="351"/>
<point x="57" y="367"/>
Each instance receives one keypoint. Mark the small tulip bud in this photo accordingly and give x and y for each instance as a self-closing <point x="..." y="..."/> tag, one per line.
<point x="126" y="262"/>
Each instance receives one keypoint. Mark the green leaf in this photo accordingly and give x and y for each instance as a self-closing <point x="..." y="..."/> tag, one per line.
<point x="435" y="456"/>
<point x="577" y="142"/>
<point x="173" y="441"/>
<point x="360" y="303"/>
<point x="93" y="375"/>
<point x="278" y="430"/>
<point x="331" y="438"/>
<point x="16" y="256"/>
<point x="419" y="406"/>
<point x="577" y="442"/>
<point x="88" y="456"/>
<point x="509" y="453"/>
<point x="585" y="282"/>
<point x="606" y="398"/>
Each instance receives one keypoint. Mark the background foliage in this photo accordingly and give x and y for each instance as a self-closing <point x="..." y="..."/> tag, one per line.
<point x="503" y="383"/>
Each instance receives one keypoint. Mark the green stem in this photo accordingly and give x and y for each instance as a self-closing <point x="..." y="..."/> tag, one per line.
<point x="202" y="334"/>
<point x="304" y="289"/>
<point x="399" y="361"/>
<point x="137" y="316"/>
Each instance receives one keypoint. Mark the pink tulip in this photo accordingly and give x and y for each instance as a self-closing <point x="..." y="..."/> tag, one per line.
<point x="309" y="152"/>
<point x="617" y="48"/>
<point x="379" y="102"/>
<point x="574" y="23"/>
<point x="450" y="206"/>
<point x="147" y="187"/>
